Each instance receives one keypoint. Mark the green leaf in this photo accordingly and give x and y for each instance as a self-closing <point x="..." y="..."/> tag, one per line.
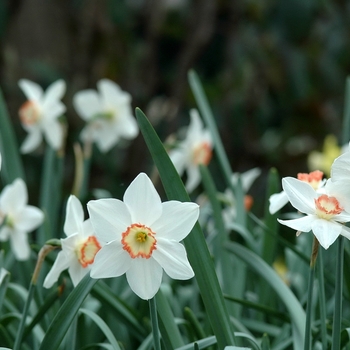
<point x="197" y="250"/>
<point x="296" y="312"/>
<point x="103" y="327"/>
<point x="65" y="315"/>
<point x="12" y="167"/>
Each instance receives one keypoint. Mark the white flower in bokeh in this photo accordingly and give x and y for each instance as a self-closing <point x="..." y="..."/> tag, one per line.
<point x="325" y="212"/>
<point x="194" y="150"/>
<point x="18" y="218"/>
<point x="142" y="236"/>
<point x="108" y="114"/>
<point x="39" y="114"/>
<point x="314" y="179"/>
<point x="78" y="249"/>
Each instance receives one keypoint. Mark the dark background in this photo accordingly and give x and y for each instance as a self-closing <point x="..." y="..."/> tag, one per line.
<point x="274" y="71"/>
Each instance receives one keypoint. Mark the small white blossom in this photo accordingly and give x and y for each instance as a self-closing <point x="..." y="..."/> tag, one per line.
<point x="39" y="114"/>
<point x="78" y="249"/>
<point x="18" y="218"/>
<point x="108" y="114"/>
<point x="142" y="236"/>
<point x="194" y="150"/>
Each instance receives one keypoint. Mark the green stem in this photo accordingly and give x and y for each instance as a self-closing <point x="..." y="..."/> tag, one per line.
<point x="323" y="314"/>
<point x="308" y="337"/>
<point x="338" y="295"/>
<point x="154" y="321"/>
<point x="22" y="323"/>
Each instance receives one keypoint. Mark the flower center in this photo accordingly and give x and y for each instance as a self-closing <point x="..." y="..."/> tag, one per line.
<point x="29" y="113"/>
<point x="327" y="207"/>
<point x="138" y="240"/>
<point x="202" y="153"/>
<point x="313" y="179"/>
<point x="105" y="115"/>
<point x="87" y="250"/>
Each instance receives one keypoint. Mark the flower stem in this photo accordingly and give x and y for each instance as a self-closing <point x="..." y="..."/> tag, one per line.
<point x="154" y="321"/>
<point x="308" y="337"/>
<point x="337" y="317"/>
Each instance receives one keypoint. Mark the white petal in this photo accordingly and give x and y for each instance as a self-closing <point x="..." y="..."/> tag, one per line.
<point x="77" y="272"/>
<point x="179" y="157"/>
<point x="111" y="93"/>
<point x="195" y="127"/>
<point x="300" y="194"/>
<point x="61" y="263"/>
<point x="340" y="190"/>
<point x="110" y="261"/>
<point x="106" y="137"/>
<point x="144" y="277"/>
<point x="109" y="217"/>
<point x="247" y="178"/>
<point x="172" y="257"/>
<point x="14" y="197"/>
<point x="54" y="134"/>
<point x="32" y="90"/>
<point x="326" y="232"/>
<point x="29" y="218"/>
<point x="74" y="216"/>
<point x="302" y="224"/>
<point x="277" y="201"/>
<point x="5" y="233"/>
<point x="87" y="104"/>
<point x="193" y="178"/>
<point x="32" y="141"/>
<point x="341" y="167"/>
<point x="143" y="201"/>
<point x="19" y="244"/>
<point x="345" y="232"/>
<point x="177" y="220"/>
<point x="54" y="111"/>
<point x="54" y="93"/>
<point x="87" y="229"/>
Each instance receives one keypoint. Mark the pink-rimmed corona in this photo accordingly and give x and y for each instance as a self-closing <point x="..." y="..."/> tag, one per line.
<point x="139" y="241"/>
<point x="29" y="113"/>
<point x="86" y="251"/>
<point x="202" y="153"/>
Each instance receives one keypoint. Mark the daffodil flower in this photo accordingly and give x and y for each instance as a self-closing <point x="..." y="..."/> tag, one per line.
<point x="18" y="218"/>
<point x="325" y="212"/>
<point x="78" y="249"/>
<point x="279" y="200"/>
<point x="39" y="114"/>
<point x="142" y="237"/>
<point x="108" y="115"/>
<point x="194" y="150"/>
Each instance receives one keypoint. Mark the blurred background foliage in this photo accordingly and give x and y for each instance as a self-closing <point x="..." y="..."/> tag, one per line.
<point x="274" y="71"/>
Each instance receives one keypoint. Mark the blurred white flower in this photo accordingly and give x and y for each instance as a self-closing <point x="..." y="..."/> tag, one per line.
<point x="39" y="114"/>
<point x="314" y="179"/>
<point x="325" y="213"/>
<point x="194" y="150"/>
<point x="108" y="115"/>
<point x="18" y="218"/>
<point x="78" y="249"/>
<point x="142" y="236"/>
<point x="3" y="273"/>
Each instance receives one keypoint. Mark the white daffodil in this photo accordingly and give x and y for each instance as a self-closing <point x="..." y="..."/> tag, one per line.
<point x="279" y="200"/>
<point x="326" y="212"/>
<point x="194" y="150"/>
<point x="18" y="218"/>
<point x="39" y="114"/>
<point x="108" y="115"/>
<point x="142" y="236"/>
<point x="78" y="249"/>
<point x="341" y="167"/>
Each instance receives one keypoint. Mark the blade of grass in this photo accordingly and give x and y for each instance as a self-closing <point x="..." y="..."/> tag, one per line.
<point x="12" y="166"/>
<point x="196" y="246"/>
<point x="296" y="312"/>
<point x="65" y="315"/>
<point x="207" y="114"/>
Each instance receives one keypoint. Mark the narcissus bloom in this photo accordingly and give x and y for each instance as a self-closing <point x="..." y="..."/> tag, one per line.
<point x="314" y="179"/>
<point x="326" y="212"/>
<point x="39" y="114"/>
<point x="78" y="249"/>
<point x="18" y="218"/>
<point x="142" y="236"/>
<point x="108" y="115"/>
<point x="194" y="150"/>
